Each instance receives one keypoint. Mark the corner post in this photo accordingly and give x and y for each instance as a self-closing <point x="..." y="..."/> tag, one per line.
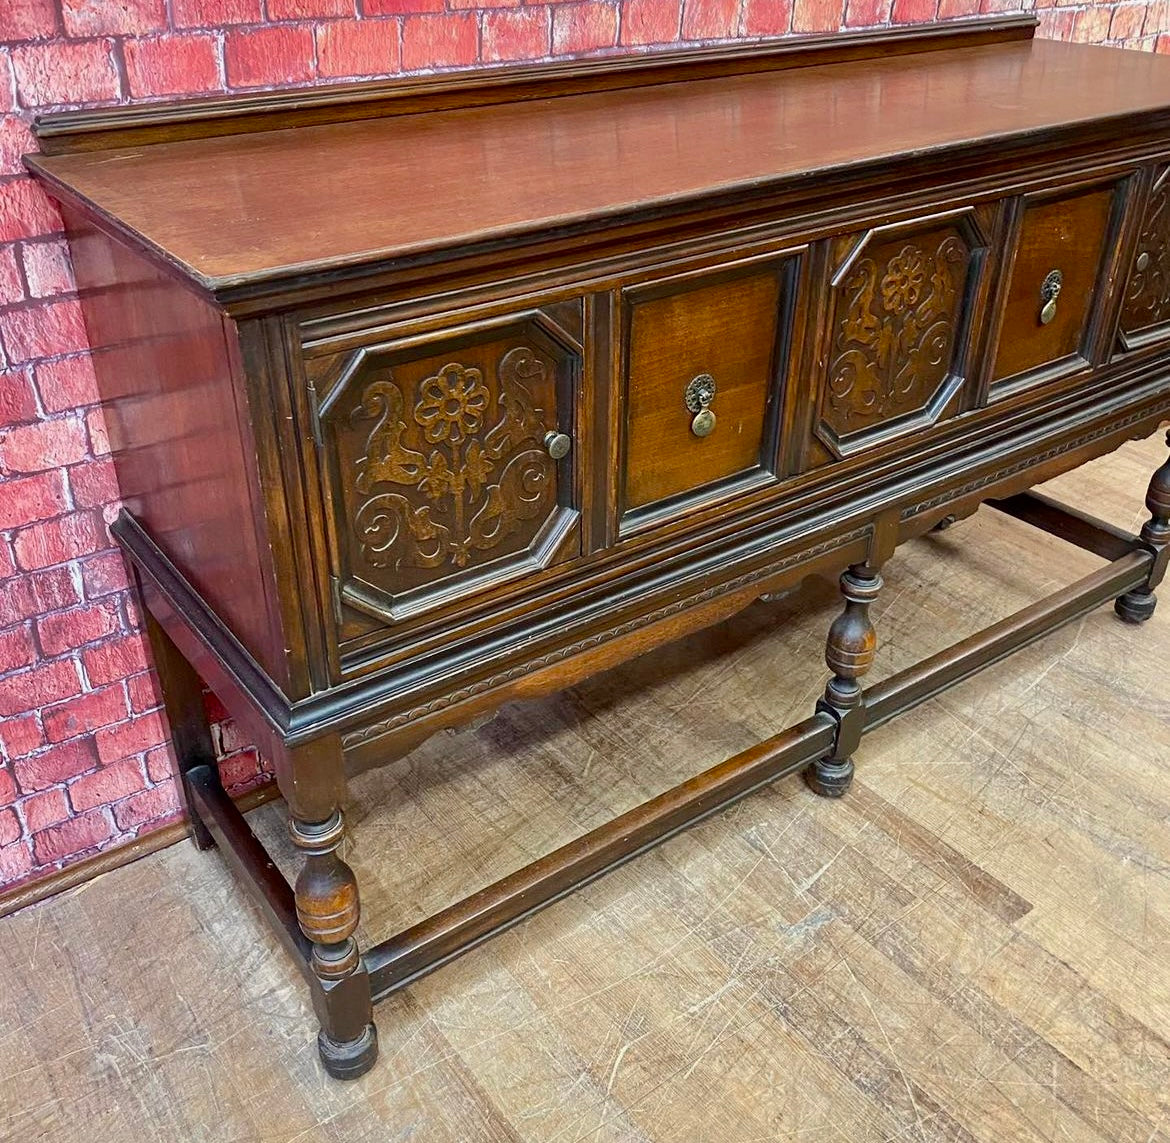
<point x="328" y="910"/>
<point x="1138" y="605"/>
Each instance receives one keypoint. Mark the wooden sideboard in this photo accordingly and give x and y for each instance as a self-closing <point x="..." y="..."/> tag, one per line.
<point x="437" y="393"/>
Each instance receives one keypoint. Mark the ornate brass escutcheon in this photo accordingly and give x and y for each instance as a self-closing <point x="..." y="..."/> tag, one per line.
<point x="1049" y="292"/>
<point x="699" y="394"/>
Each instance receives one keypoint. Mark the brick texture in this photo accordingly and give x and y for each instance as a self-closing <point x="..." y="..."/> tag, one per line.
<point x="83" y="756"/>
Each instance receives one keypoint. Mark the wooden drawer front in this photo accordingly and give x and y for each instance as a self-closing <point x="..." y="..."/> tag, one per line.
<point x="900" y="317"/>
<point x="1145" y="312"/>
<point x="1063" y="236"/>
<point x="438" y="479"/>
<point x="729" y="325"/>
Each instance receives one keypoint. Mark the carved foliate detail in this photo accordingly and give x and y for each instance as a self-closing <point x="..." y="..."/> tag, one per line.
<point x="1147" y="293"/>
<point x="899" y="315"/>
<point x="468" y="460"/>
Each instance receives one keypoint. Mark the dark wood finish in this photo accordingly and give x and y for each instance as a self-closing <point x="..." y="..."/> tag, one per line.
<point x="1146" y="309"/>
<point x="932" y="676"/>
<point x="1077" y="527"/>
<point x="225" y="823"/>
<point x="181" y="690"/>
<point x="425" y="946"/>
<point x="647" y="155"/>
<point x="438" y="476"/>
<point x="391" y="460"/>
<point x="138" y="126"/>
<point x="1138" y="605"/>
<point x="1064" y="235"/>
<point x="728" y="326"/>
<point x="905" y="302"/>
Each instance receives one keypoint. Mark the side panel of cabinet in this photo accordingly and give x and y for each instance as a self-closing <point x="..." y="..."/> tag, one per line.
<point x="179" y="423"/>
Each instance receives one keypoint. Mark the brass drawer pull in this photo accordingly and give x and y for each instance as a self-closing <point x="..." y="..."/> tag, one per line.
<point x="1049" y="292"/>
<point x="557" y="445"/>
<point x="699" y="394"/>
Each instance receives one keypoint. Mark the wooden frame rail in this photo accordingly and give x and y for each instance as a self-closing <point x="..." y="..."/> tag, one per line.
<point x="440" y="938"/>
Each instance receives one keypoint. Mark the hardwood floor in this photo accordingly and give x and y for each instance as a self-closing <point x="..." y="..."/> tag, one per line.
<point x="972" y="945"/>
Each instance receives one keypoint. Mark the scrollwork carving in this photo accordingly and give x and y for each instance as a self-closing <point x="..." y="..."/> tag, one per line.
<point x="896" y="330"/>
<point x="1147" y="294"/>
<point x="468" y="461"/>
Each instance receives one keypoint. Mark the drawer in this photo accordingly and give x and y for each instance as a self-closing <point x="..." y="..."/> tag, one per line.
<point x="904" y="303"/>
<point x="704" y="360"/>
<point x="1145" y="309"/>
<point x="446" y="462"/>
<point x="1055" y="282"/>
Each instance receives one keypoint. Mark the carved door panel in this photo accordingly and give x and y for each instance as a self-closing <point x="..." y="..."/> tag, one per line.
<point x="448" y="464"/>
<point x="903" y="305"/>
<point x="1145" y="310"/>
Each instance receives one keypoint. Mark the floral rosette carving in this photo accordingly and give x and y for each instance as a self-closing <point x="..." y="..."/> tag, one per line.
<point x="896" y="331"/>
<point x="486" y="472"/>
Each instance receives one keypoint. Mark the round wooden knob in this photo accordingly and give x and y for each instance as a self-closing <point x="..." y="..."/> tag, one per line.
<point x="557" y="445"/>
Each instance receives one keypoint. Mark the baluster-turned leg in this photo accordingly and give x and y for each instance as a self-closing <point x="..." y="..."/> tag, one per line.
<point x="1138" y="605"/>
<point x="328" y="911"/>
<point x="849" y="654"/>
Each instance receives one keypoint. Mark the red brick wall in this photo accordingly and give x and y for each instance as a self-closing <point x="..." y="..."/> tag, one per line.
<point x="83" y="763"/>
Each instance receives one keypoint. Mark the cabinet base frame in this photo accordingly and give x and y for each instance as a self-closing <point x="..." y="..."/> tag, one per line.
<point x="427" y="945"/>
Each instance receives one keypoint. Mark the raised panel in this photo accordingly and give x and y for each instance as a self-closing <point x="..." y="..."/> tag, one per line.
<point x="722" y="333"/>
<point x="439" y="477"/>
<point x="901" y="308"/>
<point x="1061" y="247"/>
<point x="1145" y="311"/>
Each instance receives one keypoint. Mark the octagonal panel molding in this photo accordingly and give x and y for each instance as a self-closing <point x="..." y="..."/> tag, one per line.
<point x="902" y="303"/>
<point x="438" y="478"/>
<point x="1145" y="311"/>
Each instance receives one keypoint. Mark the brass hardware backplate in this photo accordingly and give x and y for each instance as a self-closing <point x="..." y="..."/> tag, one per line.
<point x="700" y="392"/>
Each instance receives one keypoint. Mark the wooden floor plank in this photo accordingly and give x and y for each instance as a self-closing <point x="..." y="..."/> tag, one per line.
<point x="971" y="946"/>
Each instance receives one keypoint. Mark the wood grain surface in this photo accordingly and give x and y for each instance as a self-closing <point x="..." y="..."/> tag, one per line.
<point x="388" y="188"/>
<point x="969" y="946"/>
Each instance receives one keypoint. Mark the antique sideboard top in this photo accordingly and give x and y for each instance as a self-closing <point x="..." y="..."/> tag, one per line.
<point x="259" y="205"/>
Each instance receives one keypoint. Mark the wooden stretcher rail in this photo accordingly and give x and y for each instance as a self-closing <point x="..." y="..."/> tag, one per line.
<point x="440" y="938"/>
<point x="246" y="854"/>
<point x="908" y="688"/>
<point x="461" y="926"/>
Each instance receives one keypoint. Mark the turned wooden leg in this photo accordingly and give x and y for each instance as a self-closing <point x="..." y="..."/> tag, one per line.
<point x="328" y="910"/>
<point x="1138" y="605"/>
<point x="849" y="654"/>
<point x="182" y="695"/>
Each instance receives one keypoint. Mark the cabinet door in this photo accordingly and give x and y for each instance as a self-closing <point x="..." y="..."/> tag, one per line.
<point x="896" y="346"/>
<point x="1055" y="287"/>
<point x="705" y="358"/>
<point x="447" y="463"/>
<point x="1145" y="310"/>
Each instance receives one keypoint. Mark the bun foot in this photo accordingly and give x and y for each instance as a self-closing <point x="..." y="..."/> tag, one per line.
<point x="1135" y="606"/>
<point x="830" y="779"/>
<point x="353" y="1058"/>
